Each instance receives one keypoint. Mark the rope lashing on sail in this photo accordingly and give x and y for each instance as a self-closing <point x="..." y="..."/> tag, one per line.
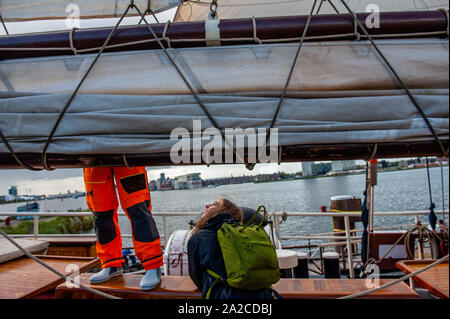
<point x="14" y="155"/>
<point x="164" y="34"/>
<point x="66" y="278"/>
<point x="255" y="39"/>
<point x="61" y="115"/>
<point x="125" y="161"/>
<point x="399" y="80"/>
<point x="72" y="46"/>
<point x="80" y="83"/>
<point x="4" y="25"/>
<point x="334" y="7"/>
<point x="75" y="51"/>
<point x="191" y="89"/>
<point x="355" y="29"/>
<point x="320" y="6"/>
<point x="255" y="35"/>
<point x="291" y="70"/>
<point x="149" y="10"/>
<point x="366" y="292"/>
<point x="68" y="103"/>
<point x="330" y="2"/>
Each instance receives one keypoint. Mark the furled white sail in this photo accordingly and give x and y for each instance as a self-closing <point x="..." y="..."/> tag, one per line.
<point x="13" y="10"/>
<point x="230" y="9"/>
<point x="340" y="92"/>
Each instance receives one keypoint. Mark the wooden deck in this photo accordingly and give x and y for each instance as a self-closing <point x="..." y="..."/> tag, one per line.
<point x="25" y="278"/>
<point x="176" y="287"/>
<point x="435" y="280"/>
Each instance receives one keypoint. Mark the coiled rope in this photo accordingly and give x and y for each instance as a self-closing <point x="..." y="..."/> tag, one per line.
<point x="424" y="235"/>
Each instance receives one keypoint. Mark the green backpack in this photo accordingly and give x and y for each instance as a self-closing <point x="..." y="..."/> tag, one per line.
<point x="250" y="258"/>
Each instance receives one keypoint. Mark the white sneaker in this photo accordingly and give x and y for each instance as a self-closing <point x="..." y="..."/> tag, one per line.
<point x="151" y="279"/>
<point x="105" y="274"/>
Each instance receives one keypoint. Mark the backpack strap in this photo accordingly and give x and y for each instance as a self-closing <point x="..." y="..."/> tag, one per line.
<point x="218" y="278"/>
<point x="256" y="214"/>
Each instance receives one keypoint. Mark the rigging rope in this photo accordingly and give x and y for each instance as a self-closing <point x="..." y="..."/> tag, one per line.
<point x="149" y="10"/>
<point x="432" y="216"/>
<point x="97" y="292"/>
<point x="291" y="70"/>
<point x="255" y="39"/>
<point x="191" y="89"/>
<point x="69" y="102"/>
<point x="363" y="293"/>
<point x="330" y="2"/>
<point x="4" y="25"/>
<point x="14" y="155"/>
<point x="365" y="246"/>
<point x="423" y="234"/>
<point x="443" y="192"/>
<point x="334" y="7"/>
<point x="400" y="81"/>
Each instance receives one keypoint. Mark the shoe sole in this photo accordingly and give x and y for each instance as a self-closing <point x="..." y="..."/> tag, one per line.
<point x="151" y="287"/>
<point x="106" y="279"/>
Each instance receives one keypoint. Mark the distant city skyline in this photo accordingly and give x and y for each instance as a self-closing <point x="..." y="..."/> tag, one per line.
<point x="63" y="180"/>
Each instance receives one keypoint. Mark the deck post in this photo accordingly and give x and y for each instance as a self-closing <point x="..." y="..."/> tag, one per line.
<point x="277" y="227"/>
<point x="349" y="246"/>
<point x="35" y="226"/>
<point x="165" y="231"/>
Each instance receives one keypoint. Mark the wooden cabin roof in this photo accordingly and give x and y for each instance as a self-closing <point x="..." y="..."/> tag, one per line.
<point x="435" y="279"/>
<point x="25" y="278"/>
<point x="10" y="252"/>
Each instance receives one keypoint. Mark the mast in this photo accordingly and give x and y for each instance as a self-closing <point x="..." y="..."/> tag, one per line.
<point x="372" y="181"/>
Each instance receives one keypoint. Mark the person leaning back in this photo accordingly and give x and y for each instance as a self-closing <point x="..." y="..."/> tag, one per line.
<point x="205" y="255"/>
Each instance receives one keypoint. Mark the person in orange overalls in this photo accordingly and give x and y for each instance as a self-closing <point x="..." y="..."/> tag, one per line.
<point x="134" y="195"/>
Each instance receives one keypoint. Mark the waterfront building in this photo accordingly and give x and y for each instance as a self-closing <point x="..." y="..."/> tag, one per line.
<point x="315" y="169"/>
<point x="307" y="169"/>
<point x="188" y="181"/>
<point x="341" y="166"/>
<point x="12" y="191"/>
<point x="163" y="183"/>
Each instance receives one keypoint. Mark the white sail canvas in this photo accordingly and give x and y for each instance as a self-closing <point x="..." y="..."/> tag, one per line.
<point x="25" y="10"/>
<point x="233" y="9"/>
<point x="131" y="101"/>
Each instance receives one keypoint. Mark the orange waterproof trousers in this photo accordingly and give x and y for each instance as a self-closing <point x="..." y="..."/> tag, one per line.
<point x="134" y="195"/>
